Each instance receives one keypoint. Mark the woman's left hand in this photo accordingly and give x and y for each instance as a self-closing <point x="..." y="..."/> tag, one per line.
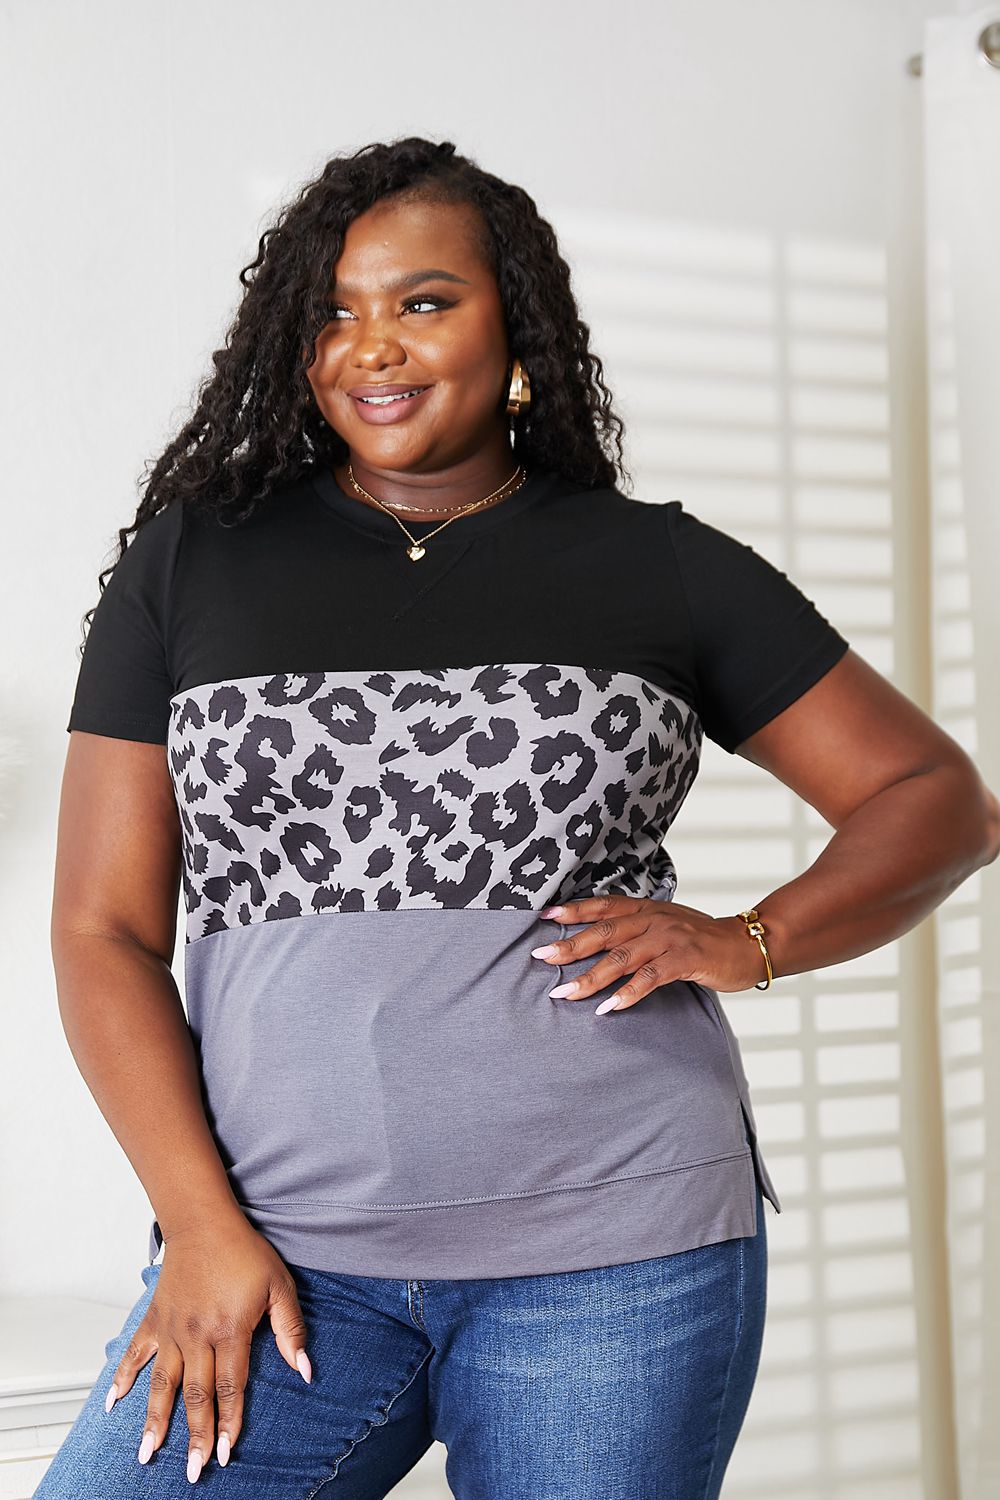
<point x="655" y="942"/>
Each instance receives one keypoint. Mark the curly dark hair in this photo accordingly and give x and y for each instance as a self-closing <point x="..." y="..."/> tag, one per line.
<point x="255" y="428"/>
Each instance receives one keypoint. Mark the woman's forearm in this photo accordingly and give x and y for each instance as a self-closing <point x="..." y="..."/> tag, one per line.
<point x="894" y="860"/>
<point x="125" y="1024"/>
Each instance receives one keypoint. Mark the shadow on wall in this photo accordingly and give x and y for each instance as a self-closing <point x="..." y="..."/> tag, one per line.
<point x="966" y="1004"/>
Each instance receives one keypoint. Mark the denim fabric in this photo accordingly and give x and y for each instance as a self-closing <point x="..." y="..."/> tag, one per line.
<point x="625" y="1382"/>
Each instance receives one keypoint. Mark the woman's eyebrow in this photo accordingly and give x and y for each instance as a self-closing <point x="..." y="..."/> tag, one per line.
<point x="412" y="278"/>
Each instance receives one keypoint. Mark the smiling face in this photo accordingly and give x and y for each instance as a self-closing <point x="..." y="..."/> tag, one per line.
<point x="415" y="304"/>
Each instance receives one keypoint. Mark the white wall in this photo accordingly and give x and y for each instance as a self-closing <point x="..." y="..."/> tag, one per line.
<point x="738" y="189"/>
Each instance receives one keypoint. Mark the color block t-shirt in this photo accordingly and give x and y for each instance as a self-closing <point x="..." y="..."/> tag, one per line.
<point x="384" y="770"/>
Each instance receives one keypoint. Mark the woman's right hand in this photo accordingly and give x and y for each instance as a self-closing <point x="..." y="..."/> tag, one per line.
<point x="216" y="1282"/>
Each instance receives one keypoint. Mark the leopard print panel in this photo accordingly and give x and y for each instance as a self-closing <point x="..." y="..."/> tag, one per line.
<point x="492" y="786"/>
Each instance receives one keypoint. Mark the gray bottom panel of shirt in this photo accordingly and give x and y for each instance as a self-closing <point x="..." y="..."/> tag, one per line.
<point x="395" y="1094"/>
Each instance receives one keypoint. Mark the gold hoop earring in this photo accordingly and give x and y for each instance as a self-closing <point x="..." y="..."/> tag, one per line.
<point x="519" y="395"/>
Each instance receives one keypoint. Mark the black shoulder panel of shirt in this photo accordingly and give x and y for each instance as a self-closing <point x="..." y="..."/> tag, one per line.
<point x="317" y="581"/>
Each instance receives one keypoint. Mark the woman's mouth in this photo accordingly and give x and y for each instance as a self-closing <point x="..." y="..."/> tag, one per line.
<point x="394" y="407"/>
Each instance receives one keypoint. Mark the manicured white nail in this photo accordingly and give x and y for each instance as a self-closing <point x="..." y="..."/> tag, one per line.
<point x="111" y="1398"/>
<point x="146" y="1447"/>
<point x="611" y="1003"/>
<point x="562" y="989"/>
<point x="222" y="1448"/>
<point x="195" y="1462"/>
<point x="305" y="1368"/>
<point x="545" y="952"/>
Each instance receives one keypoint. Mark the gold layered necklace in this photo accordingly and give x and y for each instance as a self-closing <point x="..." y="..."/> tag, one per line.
<point x="415" y="550"/>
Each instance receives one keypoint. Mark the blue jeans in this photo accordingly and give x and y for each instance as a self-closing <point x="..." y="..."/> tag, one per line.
<point x="626" y="1382"/>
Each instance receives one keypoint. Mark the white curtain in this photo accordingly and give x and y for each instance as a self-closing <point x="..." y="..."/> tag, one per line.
<point x="961" y="101"/>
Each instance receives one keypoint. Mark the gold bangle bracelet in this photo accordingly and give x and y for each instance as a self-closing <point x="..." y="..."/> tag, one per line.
<point x="755" y="928"/>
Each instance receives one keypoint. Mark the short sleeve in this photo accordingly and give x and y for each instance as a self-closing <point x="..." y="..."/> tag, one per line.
<point x="759" y="642"/>
<point x="124" y="683"/>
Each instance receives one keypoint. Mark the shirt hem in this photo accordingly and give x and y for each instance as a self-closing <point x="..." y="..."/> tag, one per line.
<point x="609" y="1223"/>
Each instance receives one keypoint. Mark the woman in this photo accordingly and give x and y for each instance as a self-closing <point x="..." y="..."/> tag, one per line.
<point x="392" y="678"/>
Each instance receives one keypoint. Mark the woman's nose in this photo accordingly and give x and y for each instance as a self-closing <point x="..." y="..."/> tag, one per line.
<point x="375" y="346"/>
<point x="375" y="356"/>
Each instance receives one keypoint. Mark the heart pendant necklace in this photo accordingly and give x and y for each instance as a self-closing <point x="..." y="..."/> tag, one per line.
<point x="416" y="549"/>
